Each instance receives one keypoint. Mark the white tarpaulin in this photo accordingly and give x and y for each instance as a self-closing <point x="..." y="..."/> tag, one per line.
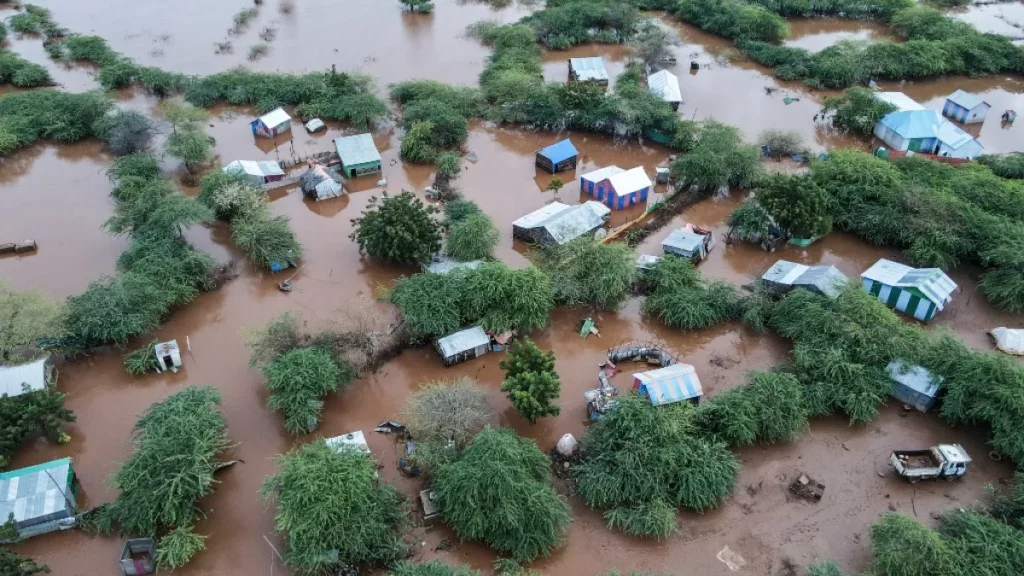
<point x="1009" y="340"/>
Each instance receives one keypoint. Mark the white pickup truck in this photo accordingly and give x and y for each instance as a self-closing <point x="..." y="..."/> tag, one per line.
<point x="943" y="461"/>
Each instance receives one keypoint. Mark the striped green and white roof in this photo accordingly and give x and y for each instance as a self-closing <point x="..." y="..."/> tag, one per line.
<point x="932" y="283"/>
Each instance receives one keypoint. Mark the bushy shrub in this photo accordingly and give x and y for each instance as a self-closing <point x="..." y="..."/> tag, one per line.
<point x="798" y="205"/>
<point x="584" y="272"/>
<point x="782" y="143"/>
<point x="640" y="462"/>
<point x="267" y="342"/>
<point x="857" y="9"/>
<point x="733" y="19"/>
<point x="569" y="22"/>
<point x="450" y="127"/>
<point x="397" y="229"/>
<point x="856" y="111"/>
<point x="447" y="411"/>
<point x="499" y="492"/>
<point x="750" y="222"/>
<point x="768" y="408"/>
<point x="17" y="565"/>
<point x="22" y="73"/>
<point x="29" y="414"/>
<point x="267" y="241"/>
<point x="26" y="117"/>
<point x="719" y="158"/>
<point x="298" y="380"/>
<point x="125" y="132"/>
<point x="681" y="298"/>
<point x="531" y="382"/>
<point x="826" y="568"/>
<point x="1005" y="165"/>
<point x="26" y="319"/>
<point x="432" y="568"/>
<point x="465" y="100"/>
<point x="141" y="360"/>
<point x="474" y="237"/>
<point x="319" y="531"/>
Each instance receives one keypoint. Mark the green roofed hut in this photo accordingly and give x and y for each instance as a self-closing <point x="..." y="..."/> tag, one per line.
<point x="358" y="154"/>
<point x="919" y="292"/>
<point x="42" y="498"/>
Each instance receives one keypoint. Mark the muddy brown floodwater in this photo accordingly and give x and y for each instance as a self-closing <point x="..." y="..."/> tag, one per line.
<point x="59" y="196"/>
<point x="816" y="34"/>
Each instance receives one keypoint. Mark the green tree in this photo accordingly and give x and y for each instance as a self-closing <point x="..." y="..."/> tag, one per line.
<point x="531" y="382"/>
<point x="904" y="547"/>
<point x="351" y="520"/>
<point x="13" y="564"/>
<point x="26" y="318"/>
<point x="298" y="380"/>
<point x="449" y="126"/>
<point x="768" y="408"/>
<point x="29" y="414"/>
<point x="682" y="298"/>
<point x="417" y="145"/>
<point x="651" y="44"/>
<point x="555" y="185"/>
<point x="857" y="110"/>
<point x="797" y="204"/>
<point x="499" y="492"/>
<point x="641" y="462"/>
<point x="397" y="229"/>
<point x="718" y="158"/>
<point x="584" y="272"/>
<point x="192" y="147"/>
<point x="472" y="238"/>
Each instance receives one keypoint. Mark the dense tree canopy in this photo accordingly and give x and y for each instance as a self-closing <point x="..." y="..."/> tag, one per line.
<point x="473" y="237"/>
<point x="682" y="298"/>
<point x="531" y="382"/>
<point x="398" y="229"/>
<point x="798" y="205"/>
<point x="584" y="272"/>
<point x="499" y="492"/>
<point x="298" y="380"/>
<point x="350" y="519"/>
<point x="25" y="319"/>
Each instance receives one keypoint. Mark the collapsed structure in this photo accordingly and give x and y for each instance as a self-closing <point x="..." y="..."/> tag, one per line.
<point x="822" y="279"/>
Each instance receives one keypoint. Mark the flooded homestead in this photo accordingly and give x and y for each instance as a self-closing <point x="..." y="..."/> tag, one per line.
<point x="59" y="195"/>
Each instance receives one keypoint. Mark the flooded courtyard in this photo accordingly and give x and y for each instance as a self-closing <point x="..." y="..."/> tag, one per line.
<point x="58" y="195"/>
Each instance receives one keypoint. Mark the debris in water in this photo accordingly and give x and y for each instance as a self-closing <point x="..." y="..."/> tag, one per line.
<point x="807" y="488"/>
<point x="734" y="561"/>
<point x="18" y="247"/>
<point x="472" y="157"/>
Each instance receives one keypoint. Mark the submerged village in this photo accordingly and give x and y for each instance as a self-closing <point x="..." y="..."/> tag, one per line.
<point x="512" y="287"/>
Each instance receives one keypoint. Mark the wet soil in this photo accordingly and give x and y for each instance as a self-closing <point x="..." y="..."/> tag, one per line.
<point x="58" y="195"/>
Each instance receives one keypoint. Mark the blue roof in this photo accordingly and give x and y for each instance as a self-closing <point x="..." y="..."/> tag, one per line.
<point x="914" y="123"/>
<point x="671" y="384"/>
<point x="559" y="151"/>
<point x="966" y="99"/>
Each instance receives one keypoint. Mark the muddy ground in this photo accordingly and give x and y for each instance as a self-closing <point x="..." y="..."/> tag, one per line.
<point x="58" y="195"/>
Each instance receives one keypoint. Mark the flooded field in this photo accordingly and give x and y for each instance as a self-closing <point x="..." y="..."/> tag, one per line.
<point x="816" y="34"/>
<point x="1003" y="18"/>
<point x="58" y="196"/>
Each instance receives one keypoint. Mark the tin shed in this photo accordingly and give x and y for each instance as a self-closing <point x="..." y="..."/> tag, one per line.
<point x="669" y="385"/>
<point x="463" y="345"/>
<point x="42" y="498"/>
<point x="19" y="379"/>
<point x="915" y="386"/>
<point x="444" y="265"/>
<point x="965" y="107"/>
<point x="665" y="85"/>
<point x="275" y="122"/>
<point x="557" y="157"/>
<point x="557" y="223"/>
<point x="354" y="439"/>
<point x="920" y="292"/>
<point x="358" y="154"/>
<point x="257" y="172"/>
<point x="690" y="242"/>
<point x="615" y="187"/>
<point x="168" y="357"/>
<point x="588" y="70"/>
<point x="784" y="275"/>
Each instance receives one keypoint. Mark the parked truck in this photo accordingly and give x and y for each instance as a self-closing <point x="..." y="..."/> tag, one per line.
<point x="943" y="461"/>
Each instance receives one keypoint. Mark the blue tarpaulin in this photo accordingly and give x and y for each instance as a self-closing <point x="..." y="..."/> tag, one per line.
<point x="559" y="151"/>
<point x="668" y="385"/>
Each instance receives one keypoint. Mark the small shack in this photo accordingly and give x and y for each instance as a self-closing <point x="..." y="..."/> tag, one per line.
<point x="1009" y="340"/>
<point x="320" y="184"/>
<point x="271" y="124"/>
<point x="615" y="187"/>
<point x="358" y="154"/>
<point x="463" y="345"/>
<point x="823" y="279"/>
<point x="914" y="386"/>
<point x="668" y="385"/>
<point x="168" y="357"/>
<point x="42" y="498"/>
<point x="138" y="556"/>
<point x="557" y="223"/>
<point x="354" y="439"/>
<point x="34" y="376"/>
<point x="557" y="157"/>
<point x="256" y="172"/>
<point x="444" y="265"/>
<point x="431" y="510"/>
<point x="912" y="127"/>
<point x="690" y="242"/>
<point x="965" y="107"/>
<point x="665" y="85"/>
<point x="588" y="70"/>
<point x="920" y="292"/>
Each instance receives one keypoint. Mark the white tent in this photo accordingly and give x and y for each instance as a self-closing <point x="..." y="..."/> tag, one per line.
<point x="665" y="85"/>
<point x="1009" y="340"/>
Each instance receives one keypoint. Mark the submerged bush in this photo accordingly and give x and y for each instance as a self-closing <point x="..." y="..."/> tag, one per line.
<point x="584" y="272"/>
<point x="318" y="531"/>
<point x="768" y="408"/>
<point x="26" y="117"/>
<point x="397" y="229"/>
<point x="447" y="411"/>
<point x="298" y="380"/>
<point x="857" y="111"/>
<point x="719" y="158"/>
<point x="681" y="298"/>
<point x="473" y="237"/>
<point x="26" y="319"/>
<point x="499" y="492"/>
<point x="28" y="415"/>
<point x="798" y="205"/>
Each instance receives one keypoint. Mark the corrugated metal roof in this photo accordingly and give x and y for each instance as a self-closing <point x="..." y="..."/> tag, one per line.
<point x="559" y="151"/>
<point x="602" y="173"/>
<point x="358" y="149"/>
<point x="684" y="240"/>
<point x="463" y="340"/>
<point x="578" y="220"/>
<point x="932" y="282"/>
<point x="630" y="181"/>
<point x="966" y="99"/>
<point x="898" y="99"/>
<point x="354" y="439"/>
<point x="446" y="265"/>
<point x="275" y="117"/>
<point x="914" y="377"/>
<point x="261" y="168"/>
<point x="670" y="384"/>
<point x="12" y="378"/>
<point x="535" y="218"/>
<point x="915" y="123"/>
<point x="589" y="68"/>
<point x="35" y="491"/>
<point x="784" y="272"/>
<point x="826" y="279"/>
<point x="665" y="85"/>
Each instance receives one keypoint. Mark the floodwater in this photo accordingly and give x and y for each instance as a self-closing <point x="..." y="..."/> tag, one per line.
<point x="816" y="34"/>
<point x="1005" y="18"/>
<point x="60" y="197"/>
